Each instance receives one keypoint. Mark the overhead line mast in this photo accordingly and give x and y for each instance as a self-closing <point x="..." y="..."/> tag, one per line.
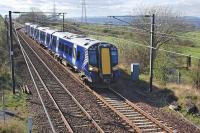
<point x="84" y="12"/>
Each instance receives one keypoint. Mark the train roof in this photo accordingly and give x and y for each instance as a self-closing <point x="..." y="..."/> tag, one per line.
<point x="50" y="31"/>
<point x="63" y="34"/>
<point x="43" y="28"/>
<point x="27" y="23"/>
<point x="81" y="40"/>
<point x="33" y="25"/>
<point x="85" y="42"/>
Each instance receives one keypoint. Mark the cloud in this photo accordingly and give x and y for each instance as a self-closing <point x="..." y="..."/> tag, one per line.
<point x="99" y="8"/>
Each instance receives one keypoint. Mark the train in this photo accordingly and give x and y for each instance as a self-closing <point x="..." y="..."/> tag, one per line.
<point x="96" y="61"/>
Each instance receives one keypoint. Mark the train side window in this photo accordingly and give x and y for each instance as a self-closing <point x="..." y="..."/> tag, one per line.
<point x="66" y="49"/>
<point x="60" y="46"/>
<point x="48" y="39"/>
<point x="70" y="51"/>
<point x="78" y="56"/>
<point x="63" y="47"/>
<point x="42" y="34"/>
<point x="54" y="42"/>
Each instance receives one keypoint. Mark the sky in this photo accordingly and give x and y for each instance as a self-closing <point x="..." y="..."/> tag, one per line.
<point x="100" y="7"/>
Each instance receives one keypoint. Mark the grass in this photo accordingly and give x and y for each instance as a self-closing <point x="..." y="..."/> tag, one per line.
<point x="17" y="104"/>
<point x="13" y="126"/>
<point x="17" y="101"/>
<point x="194" y="36"/>
<point x="194" y="51"/>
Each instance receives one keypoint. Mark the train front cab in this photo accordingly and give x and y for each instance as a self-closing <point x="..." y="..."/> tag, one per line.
<point x="103" y="61"/>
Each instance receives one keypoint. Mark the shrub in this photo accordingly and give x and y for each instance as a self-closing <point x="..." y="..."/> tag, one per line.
<point x="106" y="30"/>
<point x="163" y="68"/>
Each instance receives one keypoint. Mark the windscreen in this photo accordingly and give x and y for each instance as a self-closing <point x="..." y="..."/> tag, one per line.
<point x="114" y="56"/>
<point x="92" y="57"/>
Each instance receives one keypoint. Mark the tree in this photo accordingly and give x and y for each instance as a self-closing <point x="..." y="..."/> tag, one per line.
<point x="34" y="16"/>
<point x="168" y="23"/>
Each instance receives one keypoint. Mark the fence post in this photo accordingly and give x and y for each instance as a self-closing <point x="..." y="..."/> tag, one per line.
<point x="179" y="77"/>
<point x="198" y="75"/>
<point x="30" y="124"/>
<point x="189" y="61"/>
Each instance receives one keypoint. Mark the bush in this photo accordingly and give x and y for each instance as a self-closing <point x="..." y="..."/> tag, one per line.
<point x="138" y="55"/>
<point x="106" y="30"/>
<point x="163" y="68"/>
<point x="180" y="42"/>
<point x="4" y="76"/>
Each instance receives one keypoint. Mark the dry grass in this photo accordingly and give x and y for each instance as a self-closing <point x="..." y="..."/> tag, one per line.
<point x="186" y="92"/>
<point x="12" y="126"/>
<point x="17" y="104"/>
<point x="183" y="94"/>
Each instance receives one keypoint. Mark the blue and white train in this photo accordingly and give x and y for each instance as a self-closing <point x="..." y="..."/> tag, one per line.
<point x="97" y="61"/>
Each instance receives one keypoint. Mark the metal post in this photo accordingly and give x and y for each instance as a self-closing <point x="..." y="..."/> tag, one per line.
<point x="151" y="52"/>
<point x="198" y="75"/>
<point x="12" y="53"/>
<point x="30" y="124"/>
<point x="189" y="61"/>
<point x="179" y="77"/>
<point x="63" y="21"/>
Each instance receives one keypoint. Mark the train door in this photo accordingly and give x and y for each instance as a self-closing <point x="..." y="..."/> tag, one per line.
<point x="74" y="55"/>
<point x="45" y="42"/>
<point x="39" y="38"/>
<point x="57" y="44"/>
<point x="105" y="63"/>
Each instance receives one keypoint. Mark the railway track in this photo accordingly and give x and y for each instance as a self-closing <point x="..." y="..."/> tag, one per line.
<point x="64" y="112"/>
<point x="130" y="113"/>
<point x="136" y="117"/>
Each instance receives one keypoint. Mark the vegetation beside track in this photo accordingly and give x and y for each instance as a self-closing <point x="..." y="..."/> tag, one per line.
<point x="13" y="103"/>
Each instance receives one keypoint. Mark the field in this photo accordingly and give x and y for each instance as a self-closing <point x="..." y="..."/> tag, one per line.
<point x="195" y="38"/>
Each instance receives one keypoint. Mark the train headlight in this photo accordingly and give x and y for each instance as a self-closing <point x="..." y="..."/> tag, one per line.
<point x="94" y="69"/>
<point x="115" y="68"/>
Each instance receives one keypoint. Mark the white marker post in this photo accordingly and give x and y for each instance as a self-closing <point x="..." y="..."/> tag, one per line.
<point x="30" y="124"/>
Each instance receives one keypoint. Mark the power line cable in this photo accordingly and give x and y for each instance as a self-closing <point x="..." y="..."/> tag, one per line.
<point x="156" y="33"/>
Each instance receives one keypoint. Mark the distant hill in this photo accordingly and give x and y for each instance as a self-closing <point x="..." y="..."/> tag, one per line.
<point x="193" y="20"/>
<point x="106" y="20"/>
